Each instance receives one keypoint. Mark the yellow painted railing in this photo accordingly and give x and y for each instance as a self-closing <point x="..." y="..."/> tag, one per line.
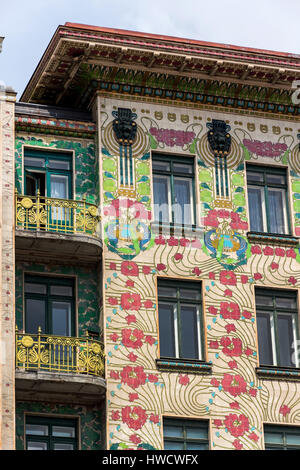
<point x="56" y="215"/>
<point x="59" y="354"/>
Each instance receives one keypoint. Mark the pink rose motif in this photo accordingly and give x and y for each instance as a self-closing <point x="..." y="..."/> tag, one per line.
<point x="135" y="439"/>
<point x="132" y="338"/>
<point x="184" y="242"/>
<point x="114" y="337"/>
<point x="148" y="304"/>
<point x="230" y="310"/>
<point x="112" y="300"/>
<point x="134" y="417"/>
<point x="292" y="280"/>
<point x="237" y="444"/>
<point x="284" y="410"/>
<point x="256" y="250"/>
<point x="231" y="347"/>
<point x="150" y="340"/>
<point x="130" y="319"/>
<point x="246" y="314"/>
<point x="113" y="266"/>
<point x="212" y="276"/>
<point x="234" y="405"/>
<point x="228" y="278"/>
<point x="132" y="357"/>
<point x="274" y="265"/>
<point x="244" y="279"/>
<point x="252" y="392"/>
<point x="152" y="378"/>
<point x="129" y="283"/>
<point x="173" y="241"/>
<point x="214" y="345"/>
<point x="237" y="425"/>
<point x="232" y="365"/>
<point x="290" y="253"/>
<point x="253" y="437"/>
<point x="154" y="418"/>
<point x="184" y="379"/>
<point x="218" y="423"/>
<point x="234" y="384"/>
<point x="268" y="251"/>
<point x="133" y="396"/>
<point x="214" y="382"/>
<point x="115" y="415"/>
<point x="230" y="327"/>
<point x="279" y="252"/>
<point x="257" y="276"/>
<point x="160" y="241"/>
<point x="114" y="375"/>
<point x="130" y="301"/>
<point x="197" y="271"/>
<point x="146" y="269"/>
<point x="129" y="268"/>
<point x="228" y="293"/>
<point x="212" y="310"/>
<point x="178" y="256"/>
<point x="161" y="267"/>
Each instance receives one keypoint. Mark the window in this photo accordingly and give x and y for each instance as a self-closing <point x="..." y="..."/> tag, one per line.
<point x="173" y="188"/>
<point x="180" y="319"/>
<point x="282" y="437"/>
<point x="49" y="304"/>
<point x="277" y="325"/>
<point x="267" y="199"/>
<point x="181" y="434"/>
<point x="49" y="173"/>
<point x="44" y="433"/>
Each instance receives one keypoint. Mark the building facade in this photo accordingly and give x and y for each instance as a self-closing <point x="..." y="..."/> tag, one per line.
<point x="155" y="251"/>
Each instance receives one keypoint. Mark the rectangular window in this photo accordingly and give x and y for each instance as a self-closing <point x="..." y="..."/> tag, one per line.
<point x="173" y="190"/>
<point x="281" y="437"/>
<point x="185" y="434"/>
<point x="44" y="433"/>
<point x="49" y="304"/>
<point x="180" y="319"/>
<point x="267" y="200"/>
<point x="277" y="327"/>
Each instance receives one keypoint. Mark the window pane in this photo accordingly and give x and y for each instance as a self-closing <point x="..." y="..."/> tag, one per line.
<point x="166" y="292"/>
<point x="32" y="445"/>
<point x="188" y="330"/>
<point x="61" y="318"/>
<point x="59" y="164"/>
<point x="277" y="210"/>
<point x="158" y="165"/>
<point x="264" y="300"/>
<point x="194" y="446"/>
<point x="63" y="431"/>
<point x="264" y="339"/>
<point x="256" y="203"/>
<point x="36" y="430"/>
<point x="61" y="290"/>
<point x="173" y="445"/>
<point x="35" y="315"/>
<point x="286" y="339"/>
<point x="59" y="186"/>
<point x="33" y="288"/>
<point x="183" y="201"/>
<point x="255" y="176"/>
<point x="288" y="303"/>
<point x="166" y="330"/>
<point x="293" y="438"/>
<point x="182" y="168"/>
<point x="173" y="431"/>
<point x="161" y="191"/>
<point x="277" y="179"/>
<point x="63" y="446"/>
<point x="196" y="433"/>
<point x="274" y="437"/>
<point x="192" y="294"/>
<point x="34" y="162"/>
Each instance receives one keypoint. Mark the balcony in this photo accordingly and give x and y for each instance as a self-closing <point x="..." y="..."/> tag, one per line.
<point x="52" y="368"/>
<point x="48" y="227"/>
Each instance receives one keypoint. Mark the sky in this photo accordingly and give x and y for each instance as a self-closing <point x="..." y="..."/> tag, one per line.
<point x="28" y="26"/>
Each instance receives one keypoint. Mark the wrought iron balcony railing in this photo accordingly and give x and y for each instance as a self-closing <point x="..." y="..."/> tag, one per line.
<point x="65" y="354"/>
<point x="56" y="215"/>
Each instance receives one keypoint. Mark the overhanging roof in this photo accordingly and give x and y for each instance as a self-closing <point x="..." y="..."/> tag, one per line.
<point x="81" y="59"/>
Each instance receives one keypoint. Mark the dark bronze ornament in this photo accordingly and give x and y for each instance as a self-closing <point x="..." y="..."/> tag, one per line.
<point x="124" y="126"/>
<point x="219" y="138"/>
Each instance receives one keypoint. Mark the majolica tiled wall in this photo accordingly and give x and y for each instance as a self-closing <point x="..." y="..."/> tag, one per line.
<point x="88" y="298"/>
<point x="91" y="436"/>
<point x="233" y="398"/>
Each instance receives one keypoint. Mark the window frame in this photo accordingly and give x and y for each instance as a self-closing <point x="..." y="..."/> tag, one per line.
<point x="52" y="421"/>
<point x="275" y="347"/>
<point x="177" y="159"/>
<point x="264" y="170"/>
<point x="185" y="423"/>
<point x="49" y="281"/>
<point x="199" y="334"/>
<point x="283" y="430"/>
<point x="47" y="155"/>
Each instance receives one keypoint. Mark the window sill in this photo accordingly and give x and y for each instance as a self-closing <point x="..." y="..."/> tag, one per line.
<point x="273" y="238"/>
<point x="278" y="373"/>
<point x="185" y="365"/>
<point x="171" y="229"/>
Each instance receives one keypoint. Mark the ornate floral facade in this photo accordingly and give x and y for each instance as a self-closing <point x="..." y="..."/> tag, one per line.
<point x="156" y="241"/>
